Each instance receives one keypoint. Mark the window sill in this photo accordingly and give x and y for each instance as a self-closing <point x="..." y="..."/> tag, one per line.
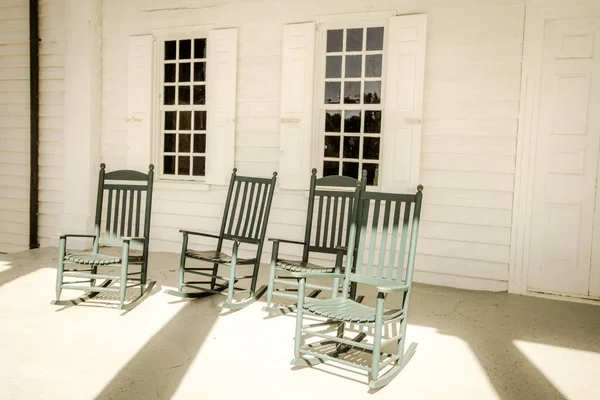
<point x="193" y="186"/>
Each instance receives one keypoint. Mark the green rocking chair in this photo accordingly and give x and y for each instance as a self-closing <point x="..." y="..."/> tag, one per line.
<point x="126" y="212"/>
<point x="380" y="263"/>
<point x="337" y="197"/>
<point x="245" y="220"/>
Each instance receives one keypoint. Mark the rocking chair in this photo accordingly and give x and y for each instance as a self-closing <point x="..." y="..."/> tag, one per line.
<point x="127" y="211"/>
<point x="245" y="220"/>
<point x="380" y="261"/>
<point x="337" y="198"/>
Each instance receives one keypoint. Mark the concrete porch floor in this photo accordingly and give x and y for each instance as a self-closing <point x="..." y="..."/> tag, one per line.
<point x="471" y="345"/>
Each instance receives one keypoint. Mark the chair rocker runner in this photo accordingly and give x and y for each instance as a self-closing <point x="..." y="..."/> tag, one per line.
<point x="337" y="197"/>
<point x="245" y="220"/>
<point x="126" y="212"/>
<point x="382" y="243"/>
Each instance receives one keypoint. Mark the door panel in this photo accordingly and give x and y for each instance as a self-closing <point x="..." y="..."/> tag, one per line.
<point x="567" y="159"/>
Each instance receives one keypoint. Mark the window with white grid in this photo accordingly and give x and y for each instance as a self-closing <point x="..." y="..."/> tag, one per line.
<point x="352" y="105"/>
<point x="183" y="108"/>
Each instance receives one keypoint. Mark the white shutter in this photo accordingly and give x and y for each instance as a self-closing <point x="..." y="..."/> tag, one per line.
<point x="298" y="55"/>
<point x="403" y="111"/>
<point x="221" y="85"/>
<point x="139" y="102"/>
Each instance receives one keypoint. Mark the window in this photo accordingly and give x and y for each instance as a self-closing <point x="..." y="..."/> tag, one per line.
<point x="183" y="112"/>
<point x="351" y="105"/>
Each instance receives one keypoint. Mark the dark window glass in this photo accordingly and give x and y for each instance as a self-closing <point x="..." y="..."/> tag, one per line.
<point x="332" y="146"/>
<point x="334" y="41"/>
<point x="185" y="49"/>
<point x="350" y="169"/>
<point x="200" y="143"/>
<point x="184" y="72"/>
<point x="373" y="65"/>
<point x="184" y="165"/>
<point x="184" y="95"/>
<point x="374" y="38"/>
<point x="169" y="72"/>
<point x="331" y="168"/>
<point x="170" y="50"/>
<point x="199" y="71"/>
<point x="199" y="166"/>
<point x="351" y="92"/>
<point x="184" y="142"/>
<point x="372" y="173"/>
<point x="185" y="120"/>
<point x="332" y="92"/>
<point x="169" y="95"/>
<point x="170" y="119"/>
<point x="333" y="121"/>
<point x="351" y="146"/>
<point x="354" y="39"/>
<point x="199" y="48"/>
<point x="333" y="67"/>
<point x="199" y="120"/>
<point x="353" y="66"/>
<point x="372" y="122"/>
<point x="372" y="92"/>
<point x="169" y="165"/>
<point x="199" y="94"/>
<point x="371" y="148"/>
<point x="169" y="143"/>
<point x="352" y="121"/>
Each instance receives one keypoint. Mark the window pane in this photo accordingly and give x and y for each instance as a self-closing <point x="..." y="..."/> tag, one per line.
<point x="199" y="120"/>
<point x="372" y="173"/>
<point x="351" y="146"/>
<point x="185" y="72"/>
<point x="169" y="95"/>
<point x="334" y="41"/>
<point x="373" y="65"/>
<point x="374" y="38"/>
<point x="372" y="122"/>
<point x="354" y="38"/>
<point x="185" y="120"/>
<point x="351" y="92"/>
<point x="353" y="66"/>
<point x="169" y="72"/>
<point x="350" y="169"/>
<point x="170" y="119"/>
<point x="199" y="94"/>
<point x="200" y="143"/>
<point x="170" y="50"/>
<point x="183" y="165"/>
<point x="199" y="72"/>
<point x="169" y="165"/>
<point x="199" y="166"/>
<point x="199" y="48"/>
<point x="184" y="142"/>
<point x="331" y="168"/>
<point x="371" y="148"/>
<point x="333" y="121"/>
<point x="332" y="92"/>
<point x="169" y="146"/>
<point x="333" y="67"/>
<point x="184" y="95"/>
<point x="185" y="49"/>
<point x="352" y="121"/>
<point x="372" y="92"/>
<point x="332" y="146"/>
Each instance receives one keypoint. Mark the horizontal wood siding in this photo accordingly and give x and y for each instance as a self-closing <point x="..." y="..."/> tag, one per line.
<point x="14" y="125"/>
<point x="472" y="83"/>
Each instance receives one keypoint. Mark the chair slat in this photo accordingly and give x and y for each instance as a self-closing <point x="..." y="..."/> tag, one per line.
<point x="255" y="211"/>
<point x="242" y="209"/>
<point x="334" y="222"/>
<point x="395" y="223"/>
<point x="263" y="204"/>
<point x="116" y="220"/>
<point x="384" y="235"/>
<point x="363" y="234"/>
<point x="249" y="209"/>
<point x="139" y="213"/>
<point x="374" y="228"/>
<point x="326" y="228"/>
<point x="400" y="264"/>
<point x="130" y="224"/>
<point x="233" y="209"/>
<point x="123" y="215"/>
<point x="109" y="211"/>
<point x="343" y="221"/>
<point x="319" y="218"/>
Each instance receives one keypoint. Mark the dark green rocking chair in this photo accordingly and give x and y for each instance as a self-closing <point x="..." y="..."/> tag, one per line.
<point x="245" y="220"/>
<point x="382" y="247"/>
<point x="336" y="198"/>
<point x="122" y="220"/>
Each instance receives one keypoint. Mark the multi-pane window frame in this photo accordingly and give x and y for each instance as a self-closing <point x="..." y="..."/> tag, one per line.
<point x="162" y="108"/>
<point x="321" y="107"/>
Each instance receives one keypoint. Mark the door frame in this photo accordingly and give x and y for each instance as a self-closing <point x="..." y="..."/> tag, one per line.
<point x="536" y="15"/>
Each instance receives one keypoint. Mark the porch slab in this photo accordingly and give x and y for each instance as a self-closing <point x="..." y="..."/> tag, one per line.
<point x="471" y="345"/>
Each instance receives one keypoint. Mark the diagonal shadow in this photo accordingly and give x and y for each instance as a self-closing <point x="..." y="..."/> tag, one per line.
<point x="157" y="370"/>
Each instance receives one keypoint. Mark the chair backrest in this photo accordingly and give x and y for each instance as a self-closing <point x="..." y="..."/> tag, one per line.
<point x="247" y="209"/>
<point x="386" y="222"/>
<point x="123" y="206"/>
<point x="334" y="198"/>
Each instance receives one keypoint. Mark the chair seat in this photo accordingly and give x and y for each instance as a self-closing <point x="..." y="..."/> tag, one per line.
<point x="346" y="310"/>
<point x="98" y="259"/>
<point x="217" y="257"/>
<point x="302" y="266"/>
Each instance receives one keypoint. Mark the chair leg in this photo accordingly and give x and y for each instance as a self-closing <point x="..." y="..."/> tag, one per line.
<point x="335" y="288"/>
<point x="182" y="262"/>
<point x="299" y="315"/>
<point x="232" y="272"/>
<point x="124" y="268"/>
<point x="61" y="266"/>
<point x="377" y="337"/>
<point x="94" y="271"/>
<point x="272" y="273"/>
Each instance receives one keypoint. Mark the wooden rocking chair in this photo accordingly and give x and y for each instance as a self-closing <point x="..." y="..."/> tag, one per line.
<point x="380" y="261"/>
<point x="127" y="212"/>
<point x="337" y="198"/>
<point x="245" y="220"/>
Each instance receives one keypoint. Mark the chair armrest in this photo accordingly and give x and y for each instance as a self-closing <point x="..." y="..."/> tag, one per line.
<point x="81" y="235"/>
<point x="241" y="239"/>
<point x="199" y="233"/>
<point x="301" y="275"/>
<point x="133" y="239"/>
<point x="287" y="241"/>
<point x="392" y="288"/>
<point x="341" y="249"/>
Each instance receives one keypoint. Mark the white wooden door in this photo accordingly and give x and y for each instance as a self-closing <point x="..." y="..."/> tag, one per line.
<point x="566" y="164"/>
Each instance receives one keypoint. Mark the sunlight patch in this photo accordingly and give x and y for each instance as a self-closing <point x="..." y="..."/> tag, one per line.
<point x="5" y="265"/>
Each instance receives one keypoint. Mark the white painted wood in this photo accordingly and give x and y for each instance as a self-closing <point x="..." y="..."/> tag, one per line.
<point x="221" y="87"/>
<point x="568" y="138"/>
<point x="297" y="81"/>
<point x="139" y="101"/>
<point x="403" y="112"/>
